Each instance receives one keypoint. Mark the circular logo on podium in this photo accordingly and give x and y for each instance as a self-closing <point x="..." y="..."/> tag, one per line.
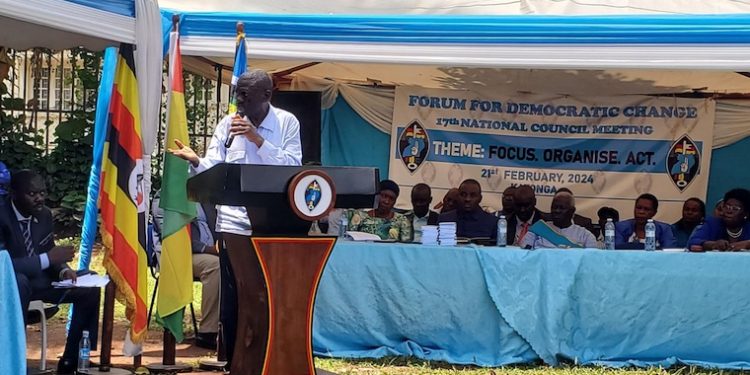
<point x="312" y="194"/>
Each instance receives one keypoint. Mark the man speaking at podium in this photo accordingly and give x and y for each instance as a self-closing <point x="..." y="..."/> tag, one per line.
<point x="258" y="133"/>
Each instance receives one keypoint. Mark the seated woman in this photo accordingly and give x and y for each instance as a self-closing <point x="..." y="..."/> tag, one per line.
<point x="693" y="214"/>
<point x="631" y="234"/>
<point x="730" y="231"/>
<point x="382" y="221"/>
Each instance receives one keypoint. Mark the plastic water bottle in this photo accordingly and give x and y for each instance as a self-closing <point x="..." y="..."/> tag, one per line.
<point x="502" y="231"/>
<point x="650" y="235"/>
<point x="84" y="353"/>
<point x="343" y="228"/>
<point x="609" y="235"/>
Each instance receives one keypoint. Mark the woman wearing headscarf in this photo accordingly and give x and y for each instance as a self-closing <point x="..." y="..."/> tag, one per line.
<point x="382" y="221"/>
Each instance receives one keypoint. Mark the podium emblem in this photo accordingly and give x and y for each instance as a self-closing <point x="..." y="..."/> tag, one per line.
<point x="311" y="194"/>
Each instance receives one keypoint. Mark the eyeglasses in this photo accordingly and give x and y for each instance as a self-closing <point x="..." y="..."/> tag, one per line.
<point x="731" y="209"/>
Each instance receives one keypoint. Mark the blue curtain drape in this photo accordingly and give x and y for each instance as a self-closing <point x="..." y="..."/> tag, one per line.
<point x="727" y="171"/>
<point x="348" y="140"/>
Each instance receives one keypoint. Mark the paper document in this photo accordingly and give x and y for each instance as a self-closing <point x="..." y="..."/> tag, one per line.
<point x="85" y="281"/>
<point x="544" y="230"/>
<point x="362" y="236"/>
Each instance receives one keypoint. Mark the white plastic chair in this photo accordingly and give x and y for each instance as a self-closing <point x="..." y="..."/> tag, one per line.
<point x="39" y="306"/>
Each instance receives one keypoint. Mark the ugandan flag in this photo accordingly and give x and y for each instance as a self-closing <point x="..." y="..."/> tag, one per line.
<point x="176" y="267"/>
<point x="240" y="66"/>
<point x="122" y="201"/>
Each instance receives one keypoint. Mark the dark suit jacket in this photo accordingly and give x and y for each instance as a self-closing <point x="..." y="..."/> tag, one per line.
<point x="513" y="221"/>
<point x="42" y="239"/>
<point x="432" y="217"/>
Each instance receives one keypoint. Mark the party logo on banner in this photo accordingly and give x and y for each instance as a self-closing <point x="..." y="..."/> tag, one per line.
<point x="414" y="146"/>
<point x="683" y="162"/>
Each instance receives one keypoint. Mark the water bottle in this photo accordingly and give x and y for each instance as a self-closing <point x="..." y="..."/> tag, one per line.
<point x="502" y="231"/>
<point x="343" y="228"/>
<point x="609" y="235"/>
<point x="650" y="235"/>
<point x="84" y="353"/>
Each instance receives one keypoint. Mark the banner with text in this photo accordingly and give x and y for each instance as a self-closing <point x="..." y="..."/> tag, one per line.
<point x="607" y="150"/>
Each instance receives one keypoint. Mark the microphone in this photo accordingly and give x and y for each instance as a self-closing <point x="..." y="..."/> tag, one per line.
<point x="230" y="139"/>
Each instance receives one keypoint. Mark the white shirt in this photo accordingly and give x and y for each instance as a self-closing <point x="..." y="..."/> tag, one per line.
<point x="519" y="226"/>
<point x="417" y="224"/>
<point x="281" y="146"/>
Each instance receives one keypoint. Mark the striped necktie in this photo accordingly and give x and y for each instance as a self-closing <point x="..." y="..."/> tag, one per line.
<point x="26" y="230"/>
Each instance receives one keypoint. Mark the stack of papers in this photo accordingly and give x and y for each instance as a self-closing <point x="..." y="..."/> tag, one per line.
<point x="85" y="281"/>
<point x="429" y="235"/>
<point x="362" y="236"/>
<point x="447" y="234"/>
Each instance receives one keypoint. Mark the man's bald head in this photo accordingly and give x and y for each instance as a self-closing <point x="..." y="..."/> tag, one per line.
<point x="562" y="209"/>
<point x="254" y="90"/>
<point x="524" y="201"/>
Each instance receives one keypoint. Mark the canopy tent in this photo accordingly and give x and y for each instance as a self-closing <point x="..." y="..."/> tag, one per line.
<point x="601" y="48"/>
<point x="57" y="24"/>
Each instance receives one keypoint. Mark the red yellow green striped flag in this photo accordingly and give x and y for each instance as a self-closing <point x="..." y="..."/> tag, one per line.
<point x="176" y="266"/>
<point x="122" y="200"/>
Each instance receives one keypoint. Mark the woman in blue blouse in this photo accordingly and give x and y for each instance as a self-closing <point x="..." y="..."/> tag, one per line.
<point x="730" y="231"/>
<point x="631" y="234"/>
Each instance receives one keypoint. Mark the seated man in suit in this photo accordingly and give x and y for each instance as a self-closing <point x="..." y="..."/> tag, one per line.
<point x="471" y="220"/>
<point x="205" y="267"/>
<point x="26" y="230"/>
<point x="526" y="214"/>
<point x="420" y="214"/>
<point x="561" y="217"/>
<point x="631" y="234"/>
<point x="508" y="207"/>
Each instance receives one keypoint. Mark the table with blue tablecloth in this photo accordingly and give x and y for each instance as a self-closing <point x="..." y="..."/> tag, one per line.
<point x="493" y="306"/>
<point x="12" y="331"/>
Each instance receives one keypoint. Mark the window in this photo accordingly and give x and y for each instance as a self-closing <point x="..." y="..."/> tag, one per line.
<point x="42" y="93"/>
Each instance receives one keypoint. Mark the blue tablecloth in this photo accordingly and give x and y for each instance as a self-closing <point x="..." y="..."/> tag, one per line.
<point x="12" y="331"/>
<point x="491" y="306"/>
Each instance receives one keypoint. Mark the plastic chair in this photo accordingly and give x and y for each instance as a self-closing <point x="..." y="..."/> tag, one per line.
<point x="39" y="306"/>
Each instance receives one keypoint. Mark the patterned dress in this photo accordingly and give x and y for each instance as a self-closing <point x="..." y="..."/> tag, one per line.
<point x="398" y="228"/>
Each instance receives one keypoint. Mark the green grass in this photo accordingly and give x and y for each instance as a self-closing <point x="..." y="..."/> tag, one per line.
<point x="412" y="366"/>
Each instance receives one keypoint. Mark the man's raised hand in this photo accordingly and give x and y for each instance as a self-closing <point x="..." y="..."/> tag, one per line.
<point x="184" y="152"/>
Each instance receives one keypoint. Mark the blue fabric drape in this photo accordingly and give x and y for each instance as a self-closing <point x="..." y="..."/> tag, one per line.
<point x="490" y="306"/>
<point x="12" y="331"/>
<point x="496" y="29"/>
<point x="348" y="140"/>
<point x="122" y="7"/>
<point x="727" y="172"/>
<point x="88" y="230"/>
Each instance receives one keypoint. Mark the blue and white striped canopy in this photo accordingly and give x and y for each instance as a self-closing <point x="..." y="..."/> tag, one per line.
<point x="710" y="41"/>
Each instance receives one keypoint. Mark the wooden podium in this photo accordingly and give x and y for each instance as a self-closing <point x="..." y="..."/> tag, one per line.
<point x="277" y="270"/>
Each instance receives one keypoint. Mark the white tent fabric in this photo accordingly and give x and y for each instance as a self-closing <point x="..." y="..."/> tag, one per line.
<point x="57" y="24"/>
<point x="728" y="57"/>
<point x="474" y="7"/>
<point x="148" y="64"/>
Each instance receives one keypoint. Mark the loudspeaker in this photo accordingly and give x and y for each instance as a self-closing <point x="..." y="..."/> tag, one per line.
<point x="306" y="106"/>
